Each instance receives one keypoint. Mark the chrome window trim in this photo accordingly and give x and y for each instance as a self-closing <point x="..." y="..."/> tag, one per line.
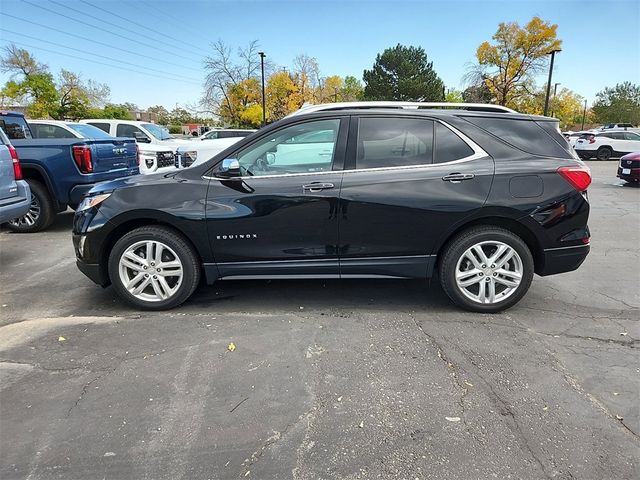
<point x="478" y="152"/>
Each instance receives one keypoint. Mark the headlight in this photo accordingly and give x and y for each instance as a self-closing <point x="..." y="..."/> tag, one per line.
<point x="94" y="201"/>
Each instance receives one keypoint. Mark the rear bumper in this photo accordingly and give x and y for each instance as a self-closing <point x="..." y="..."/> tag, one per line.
<point x="18" y="205"/>
<point x="563" y="259"/>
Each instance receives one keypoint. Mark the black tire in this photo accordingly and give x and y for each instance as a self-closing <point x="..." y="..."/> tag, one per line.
<point x="604" y="153"/>
<point x="41" y="214"/>
<point x="171" y="239"/>
<point x="456" y="248"/>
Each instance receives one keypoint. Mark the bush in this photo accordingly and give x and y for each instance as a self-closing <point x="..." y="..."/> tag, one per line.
<point x="175" y="129"/>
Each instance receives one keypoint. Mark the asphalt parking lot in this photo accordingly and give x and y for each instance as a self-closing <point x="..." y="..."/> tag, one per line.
<point x="329" y="379"/>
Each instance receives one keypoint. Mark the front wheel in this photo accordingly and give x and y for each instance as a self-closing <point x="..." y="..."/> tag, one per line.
<point x="154" y="268"/>
<point x="486" y="269"/>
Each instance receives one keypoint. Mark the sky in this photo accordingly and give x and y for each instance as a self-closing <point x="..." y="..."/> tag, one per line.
<point x="151" y="52"/>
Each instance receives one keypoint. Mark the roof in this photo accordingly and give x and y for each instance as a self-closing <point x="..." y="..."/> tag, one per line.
<point x="476" y="107"/>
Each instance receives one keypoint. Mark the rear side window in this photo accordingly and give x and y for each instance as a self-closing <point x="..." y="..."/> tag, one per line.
<point x="15" y="127"/>
<point x="102" y="126"/>
<point x="449" y="146"/>
<point x="525" y="135"/>
<point x="50" y="131"/>
<point x="394" y="142"/>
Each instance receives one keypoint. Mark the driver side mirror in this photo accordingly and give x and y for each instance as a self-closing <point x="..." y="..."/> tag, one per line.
<point x="230" y="167"/>
<point x="141" y="137"/>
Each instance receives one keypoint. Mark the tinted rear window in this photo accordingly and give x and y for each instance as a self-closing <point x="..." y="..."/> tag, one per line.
<point x="15" y="127"/>
<point x="525" y="135"/>
<point x="449" y="146"/>
<point x="102" y="126"/>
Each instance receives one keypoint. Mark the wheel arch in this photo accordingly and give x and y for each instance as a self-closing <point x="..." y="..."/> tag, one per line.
<point x="127" y="226"/>
<point x="519" y="228"/>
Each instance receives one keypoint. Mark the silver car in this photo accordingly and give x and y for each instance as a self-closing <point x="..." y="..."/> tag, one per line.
<point x="15" y="194"/>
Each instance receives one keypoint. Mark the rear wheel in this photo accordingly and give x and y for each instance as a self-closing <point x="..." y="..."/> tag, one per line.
<point x="486" y="269"/>
<point x="154" y="268"/>
<point x="41" y="211"/>
<point x="604" y="153"/>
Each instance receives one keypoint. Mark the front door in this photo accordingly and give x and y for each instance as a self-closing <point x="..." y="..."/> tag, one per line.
<point x="280" y="216"/>
<point x="407" y="181"/>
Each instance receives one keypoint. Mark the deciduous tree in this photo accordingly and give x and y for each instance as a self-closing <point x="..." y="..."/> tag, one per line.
<point x="516" y="55"/>
<point x="618" y="104"/>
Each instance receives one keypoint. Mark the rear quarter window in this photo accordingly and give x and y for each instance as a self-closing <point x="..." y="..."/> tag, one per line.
<point x="102" y="126"/>
<point x="525" y="135"/>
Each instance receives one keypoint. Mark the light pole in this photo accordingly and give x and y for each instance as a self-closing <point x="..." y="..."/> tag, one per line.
<point x="264" y="111"/>
<point x="584" y="113"/>
<point x="555" y="89"/>
<point x="546" y="100"/>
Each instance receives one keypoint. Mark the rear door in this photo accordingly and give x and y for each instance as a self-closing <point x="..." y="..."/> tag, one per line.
<point x="407" y="182"/>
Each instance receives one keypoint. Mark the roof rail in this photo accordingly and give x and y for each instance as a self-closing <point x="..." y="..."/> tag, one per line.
<point x="477" y="107"/>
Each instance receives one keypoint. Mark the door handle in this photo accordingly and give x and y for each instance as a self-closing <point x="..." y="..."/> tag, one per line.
<point x="458" y="177"/>
<point x="316" y="187"/>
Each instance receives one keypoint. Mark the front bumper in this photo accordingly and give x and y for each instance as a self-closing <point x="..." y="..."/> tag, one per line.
<point x="563" y="259"/>
<point x="633" y="174"/>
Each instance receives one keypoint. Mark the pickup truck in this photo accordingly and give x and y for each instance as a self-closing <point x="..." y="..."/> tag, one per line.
<point x="60" y="171"/>
<point x="157" y="147"/>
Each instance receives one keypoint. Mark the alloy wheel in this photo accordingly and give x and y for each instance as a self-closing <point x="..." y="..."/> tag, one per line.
<point x="150" y="271"/>
<point x="489" y="272"/>
<point x="31" y="217"/>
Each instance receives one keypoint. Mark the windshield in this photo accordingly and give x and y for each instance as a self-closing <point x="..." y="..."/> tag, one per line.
<point x="88" y="131"/>
<point x="157" y="131"/>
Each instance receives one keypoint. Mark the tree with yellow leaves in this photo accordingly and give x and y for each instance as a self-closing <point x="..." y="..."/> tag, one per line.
<point x="282" y="96"/>
<point x="508" y="65"/>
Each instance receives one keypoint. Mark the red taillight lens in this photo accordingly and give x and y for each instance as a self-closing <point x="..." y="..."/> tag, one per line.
<point x="17" y="169"/>
<point x="592" y="139"/>
<point x="579" y="177"/>
<point x="82" y="157"/>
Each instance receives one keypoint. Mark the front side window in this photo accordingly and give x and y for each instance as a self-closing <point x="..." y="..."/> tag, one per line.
<point x="303" y="148"/>
<point x="157" y="131"/>
<point x="449" y="146"/>
<point x="394" y="142"/>
<point x="213" y="134"/>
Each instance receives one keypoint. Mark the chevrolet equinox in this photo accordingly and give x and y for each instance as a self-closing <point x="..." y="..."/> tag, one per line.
<point x="479" y="195"/>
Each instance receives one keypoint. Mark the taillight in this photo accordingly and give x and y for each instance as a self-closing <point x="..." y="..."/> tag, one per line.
<point x="592" y="139"/>
<point x="17" y="169"/>
<point x="82" y="157"/>
<point x="137" y="154"/>
<point x="579" y="177"/>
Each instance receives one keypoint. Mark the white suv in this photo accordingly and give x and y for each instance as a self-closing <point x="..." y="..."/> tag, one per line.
<point x="157" y="147"/>
<point x="607" y="144"/>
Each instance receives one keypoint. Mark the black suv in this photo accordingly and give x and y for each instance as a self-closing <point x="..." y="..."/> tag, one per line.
<point x="482" y="195"/>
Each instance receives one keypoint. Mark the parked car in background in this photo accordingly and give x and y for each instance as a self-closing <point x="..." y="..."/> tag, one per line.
<point x="15" y="194"/>
<point x="629" y="167"/>
<point x="617" y="126"/>
<point x="60" y="171"/>
<point x="62" y="129"/>
<point x="195" y="153"/>
<point x="606" y="145"/>
<point x="572" y="137"/>
<point x="225" y="133"/>
<point x="485" y="198"/>
<point x="157" y="146"/>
